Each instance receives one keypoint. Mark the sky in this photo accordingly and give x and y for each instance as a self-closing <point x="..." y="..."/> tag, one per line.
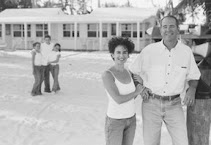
<point x="135" y="3"/>
<point x="141" y="3"/>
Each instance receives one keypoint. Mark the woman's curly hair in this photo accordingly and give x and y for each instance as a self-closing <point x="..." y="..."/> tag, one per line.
<point x="124" y="41"/>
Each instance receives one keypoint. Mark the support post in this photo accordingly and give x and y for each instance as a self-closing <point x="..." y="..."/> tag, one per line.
<point x="3" y="32"/>
<point x="117" y="29"/>
<point x="25" y="36"/>
<point x="75" y="35"/>
<point x="138" y="36"/>
<point x="101" y="35"/>
<point x="49" y="29"/>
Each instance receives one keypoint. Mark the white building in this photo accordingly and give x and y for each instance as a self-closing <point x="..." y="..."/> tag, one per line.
<point x="92" y="30"/>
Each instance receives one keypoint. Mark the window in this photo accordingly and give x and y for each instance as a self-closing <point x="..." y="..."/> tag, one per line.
<point x="135" y="30"/>
<point x="68" y="30"/>
<point x="41" y="30"/>
<point x="92" y="30"/>
<point x="141" y="30"/>
<point x="8" y="29"/>
<point x="113" y="29"/>
<point x="126" y="30"/>
<point x="18" y="30"/>
<point x="130" y="30"/>
<point x="105" y="30"/>
<point x="29" y="30"/>
<point x="0" y="30"/>
<point x="147" y="25"/>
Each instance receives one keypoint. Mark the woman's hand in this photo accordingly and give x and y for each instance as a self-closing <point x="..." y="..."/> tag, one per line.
<point x="146" y="93"/>
<point x="139" y="89"/>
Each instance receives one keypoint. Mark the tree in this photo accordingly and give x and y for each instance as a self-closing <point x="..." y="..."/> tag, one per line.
<point x="25" y="3"/>
<point x="6" y="4"/>
<point x="2" y="5"/>
<point x="10" y="3"/>
<point x="76" y="7"/>
<point x="111" y="4"/>
<point x="115" y="4"/>
<point x="194" y="4"/>
<point x="70" y="7"/>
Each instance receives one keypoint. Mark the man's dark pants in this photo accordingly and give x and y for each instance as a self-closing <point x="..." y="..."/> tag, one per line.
<point x="47" y="78"/>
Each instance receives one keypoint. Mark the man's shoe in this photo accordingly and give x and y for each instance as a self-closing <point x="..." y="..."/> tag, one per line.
<point x="32" y="94"/>
<point x="47" y="91"/>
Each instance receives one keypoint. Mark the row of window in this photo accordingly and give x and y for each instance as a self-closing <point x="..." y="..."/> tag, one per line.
<point x="127" y="30"/>
<point x="18" y="30"/>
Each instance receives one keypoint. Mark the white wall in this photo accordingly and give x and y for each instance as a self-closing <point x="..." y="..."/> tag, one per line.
<point x="83" y="43"/>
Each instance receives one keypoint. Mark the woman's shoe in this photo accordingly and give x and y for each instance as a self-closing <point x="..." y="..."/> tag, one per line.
<point x="53" y="92"/>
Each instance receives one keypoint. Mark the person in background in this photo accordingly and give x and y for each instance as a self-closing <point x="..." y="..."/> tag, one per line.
<point x="37" y="69"/>
<point x="54" y="66"/>
<point x="166" y="68"/>
<point x="46" y="49"/>
<point x="120" y="119"/>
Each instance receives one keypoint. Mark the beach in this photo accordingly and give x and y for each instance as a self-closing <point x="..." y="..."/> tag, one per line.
<point x="73" y="116"/>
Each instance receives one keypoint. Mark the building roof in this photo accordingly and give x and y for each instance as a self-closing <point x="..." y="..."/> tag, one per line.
<point x="34" y="15"/>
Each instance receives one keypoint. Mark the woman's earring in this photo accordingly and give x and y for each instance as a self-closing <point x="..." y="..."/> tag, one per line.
<point x="112" y="57"/>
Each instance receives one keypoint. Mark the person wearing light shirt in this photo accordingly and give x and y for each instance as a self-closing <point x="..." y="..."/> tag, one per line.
<point x="54" y="66"/>
<point x="46" y="49"/>
<point x="167" y="68"/>
<point x="37" y="69"/>
<point x="120" y="123"/>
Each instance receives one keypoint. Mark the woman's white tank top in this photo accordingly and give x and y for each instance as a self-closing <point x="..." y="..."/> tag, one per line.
<point x="124" y="110"/>
<point x="37" y="58"/>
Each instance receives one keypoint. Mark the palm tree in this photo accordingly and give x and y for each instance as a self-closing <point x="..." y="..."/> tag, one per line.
<point x="4" y="4"/>
<point x="11" y="3"/>
<point x="193" y="4"/>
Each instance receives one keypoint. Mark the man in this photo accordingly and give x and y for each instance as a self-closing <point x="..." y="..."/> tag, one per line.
<point x="167" y="68"/>
<point x="45" y="50"/>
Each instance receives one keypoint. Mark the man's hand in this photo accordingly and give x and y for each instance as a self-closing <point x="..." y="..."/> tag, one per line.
<point x="190" y="96"/>
<point x="146" y="93"/>
<point x="137" y="78"/>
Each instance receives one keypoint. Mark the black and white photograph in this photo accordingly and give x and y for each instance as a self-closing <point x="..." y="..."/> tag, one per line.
<point x="105" y="72"/>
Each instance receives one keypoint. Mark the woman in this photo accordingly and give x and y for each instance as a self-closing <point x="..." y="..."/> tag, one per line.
<point x="120" y="120"/>
<point x="37" y="69"/>
<point x="54" y="66"/>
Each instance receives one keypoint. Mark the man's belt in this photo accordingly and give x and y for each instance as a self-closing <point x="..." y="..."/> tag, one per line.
<point x="165" y="98"/>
